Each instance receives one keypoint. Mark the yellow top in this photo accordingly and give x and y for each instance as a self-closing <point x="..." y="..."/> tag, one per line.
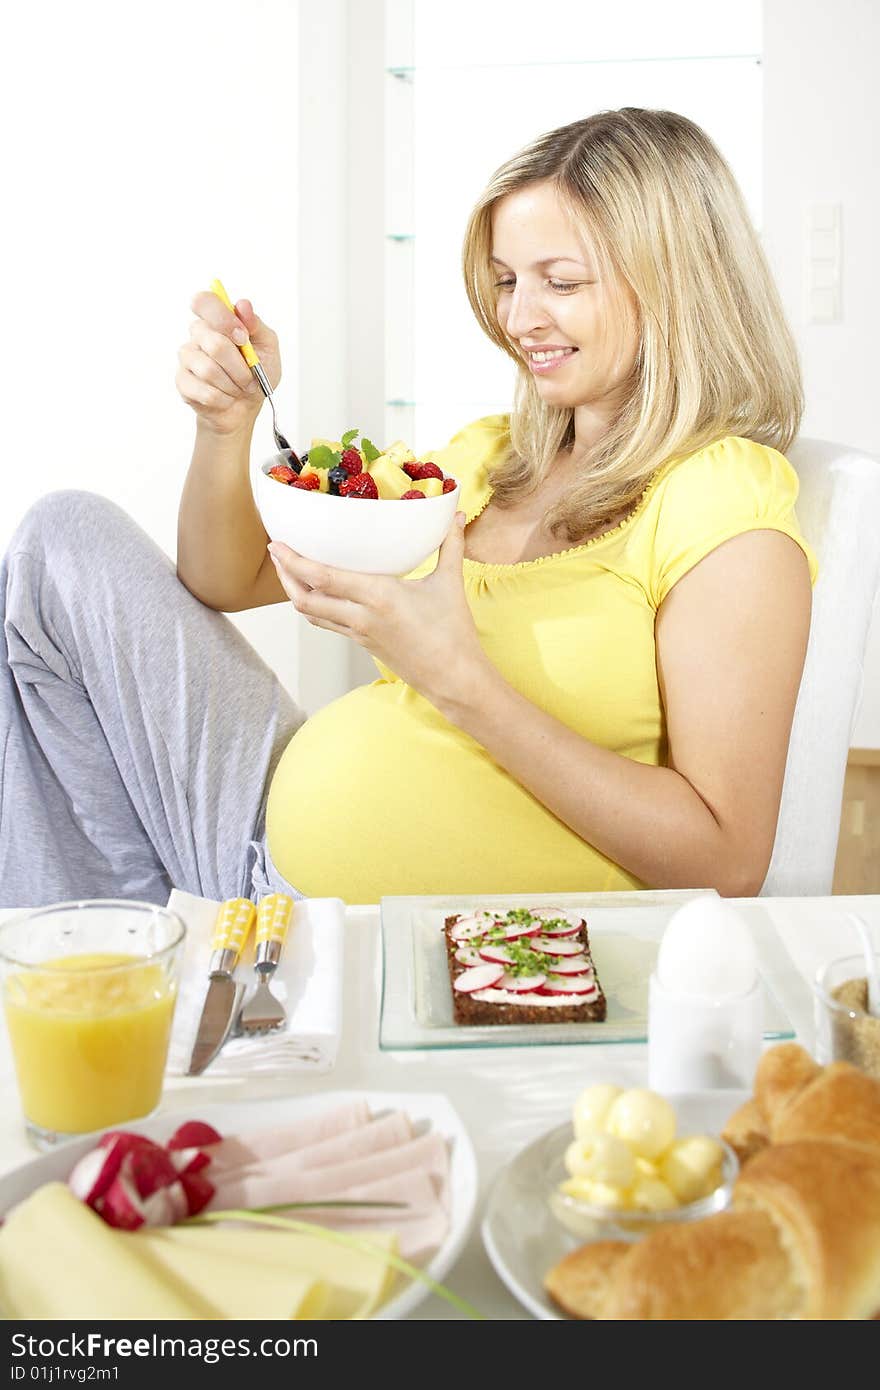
<point x="379" y="794"/>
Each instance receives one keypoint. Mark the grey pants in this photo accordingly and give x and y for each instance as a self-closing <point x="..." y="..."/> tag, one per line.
<point x="138" y="729"/>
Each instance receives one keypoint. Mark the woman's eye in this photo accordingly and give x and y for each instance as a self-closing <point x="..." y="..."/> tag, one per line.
<point x="504" y="284"/>
<point x="564" y="286"/>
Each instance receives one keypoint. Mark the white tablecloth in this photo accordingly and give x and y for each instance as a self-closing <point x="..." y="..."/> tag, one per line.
<point x="505" y="1096"/>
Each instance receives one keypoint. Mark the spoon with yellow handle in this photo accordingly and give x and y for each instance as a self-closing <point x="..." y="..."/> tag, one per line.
<point x="249" y="354"/>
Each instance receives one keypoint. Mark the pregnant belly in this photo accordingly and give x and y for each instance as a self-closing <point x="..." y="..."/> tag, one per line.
<point x="377" y="794"/>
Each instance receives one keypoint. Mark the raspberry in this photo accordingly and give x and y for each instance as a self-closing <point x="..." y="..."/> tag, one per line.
<point x="361" y="485"/>
<point x="352" y="462"/>
<point x="411" y="470"/>
<point x="282" y="473"/>
<point x="449" y="485"/>
<point x="427" y="470"/>
<point x="310" y="483"/>
<point x="414" y="494"/>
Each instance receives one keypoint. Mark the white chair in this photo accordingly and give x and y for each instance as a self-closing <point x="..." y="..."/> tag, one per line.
<point x="839" y="513"/>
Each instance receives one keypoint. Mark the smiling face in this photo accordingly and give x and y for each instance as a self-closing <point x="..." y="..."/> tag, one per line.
<point x="576" y="332"/>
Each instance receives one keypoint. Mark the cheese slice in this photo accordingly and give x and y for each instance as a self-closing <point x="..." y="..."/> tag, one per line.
<point x="180" y="1272"/>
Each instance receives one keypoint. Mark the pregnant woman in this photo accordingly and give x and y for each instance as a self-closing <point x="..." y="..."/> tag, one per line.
<point x="592" y="688"/>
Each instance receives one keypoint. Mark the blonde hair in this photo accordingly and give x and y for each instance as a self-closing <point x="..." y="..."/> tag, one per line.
<point x="658" y="205"/>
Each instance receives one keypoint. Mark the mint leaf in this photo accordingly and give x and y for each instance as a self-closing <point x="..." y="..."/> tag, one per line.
<point x="369" y="449"/>
<point x="348" y="438"/>
<point x="324" y="457"/>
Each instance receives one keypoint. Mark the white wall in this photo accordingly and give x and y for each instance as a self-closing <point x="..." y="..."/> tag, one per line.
<point x="142" y="157"/>
<point x="822" y="145"/>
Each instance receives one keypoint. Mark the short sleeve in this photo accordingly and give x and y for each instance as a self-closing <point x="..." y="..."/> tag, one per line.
<point x="469" y="456"/>
<point x="724" y="490"/>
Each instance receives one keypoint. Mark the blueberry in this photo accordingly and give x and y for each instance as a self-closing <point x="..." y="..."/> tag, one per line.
<point x="335" y="477"/>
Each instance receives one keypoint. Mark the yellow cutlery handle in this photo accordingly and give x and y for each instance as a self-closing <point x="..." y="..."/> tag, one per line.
<point x="233" y="925"/>
<point x="274" y="916"/>
<point x="247" y="350"/>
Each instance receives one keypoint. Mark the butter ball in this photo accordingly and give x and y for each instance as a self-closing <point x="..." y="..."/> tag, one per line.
<point x="644" y="1121"/>
<point x="652" y="1194"/>
<point x="591" y="1109"/>
<point x="602" y="1158"/>
<point x="692" y="1166"/>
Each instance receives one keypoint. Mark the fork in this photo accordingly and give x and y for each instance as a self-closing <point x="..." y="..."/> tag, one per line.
<point x="263" y="1012"/>
<point x="248" y="352"/>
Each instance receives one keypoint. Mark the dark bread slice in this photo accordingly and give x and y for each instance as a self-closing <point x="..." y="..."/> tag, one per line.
<point x="478" y="1013"/>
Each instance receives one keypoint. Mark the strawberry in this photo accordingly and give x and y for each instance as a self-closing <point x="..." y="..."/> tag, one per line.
<point x="449" y="485"/>
<point x="310" y="483"/>
<point x="404" y="496"/>
<point x="361" y="485"/>
<point x="352" y="462"/>
<point x="283" y="473"/>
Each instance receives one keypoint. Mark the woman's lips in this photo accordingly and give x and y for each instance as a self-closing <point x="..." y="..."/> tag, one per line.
<point x="551" y="364"/>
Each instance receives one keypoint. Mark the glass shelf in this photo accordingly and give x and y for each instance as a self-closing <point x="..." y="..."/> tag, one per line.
<point x="400" y="236"/>
<point x="406" y="74"/>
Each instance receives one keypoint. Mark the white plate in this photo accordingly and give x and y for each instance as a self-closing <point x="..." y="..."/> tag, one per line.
<point x="625" y="931"/>
<point x="521" y="1235"/>
<point x="426" y="1111"/>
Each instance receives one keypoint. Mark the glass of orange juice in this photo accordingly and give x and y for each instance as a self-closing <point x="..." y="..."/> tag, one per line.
<point x="89" y="991"/>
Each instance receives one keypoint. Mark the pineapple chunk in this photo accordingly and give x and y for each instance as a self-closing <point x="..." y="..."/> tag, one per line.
<point x="389" y="477"/>
<point x="431" y="487"/>
<point x="322" y="474"/>
<point x="334" y="444"/>
<point x="398" y="452"/>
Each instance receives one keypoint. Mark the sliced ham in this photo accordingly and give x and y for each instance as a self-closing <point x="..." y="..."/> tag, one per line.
<point x="268" y="1143"/>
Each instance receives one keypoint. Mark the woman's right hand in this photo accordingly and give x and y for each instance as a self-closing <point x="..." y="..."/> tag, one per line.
<point x="212" y="376"/>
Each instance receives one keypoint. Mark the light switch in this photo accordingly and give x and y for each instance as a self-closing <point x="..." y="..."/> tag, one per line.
<point x="822" y="263"/>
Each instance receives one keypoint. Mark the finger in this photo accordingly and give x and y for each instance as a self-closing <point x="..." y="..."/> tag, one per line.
<point x="196" y="392"/>
<point x="319" y="607"/>
<point x="224" y="352"/>
<point x="193" y="360"/>
<point x="451" y="553"/>
<point x="362" y="588"/>
<point x="208" y="307"/>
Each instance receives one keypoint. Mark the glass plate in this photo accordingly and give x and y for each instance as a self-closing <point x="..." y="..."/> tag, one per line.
<point x="625" y="931"/>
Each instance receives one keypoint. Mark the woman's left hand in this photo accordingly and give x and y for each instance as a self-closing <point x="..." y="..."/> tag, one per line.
<point x="421" y="629"/>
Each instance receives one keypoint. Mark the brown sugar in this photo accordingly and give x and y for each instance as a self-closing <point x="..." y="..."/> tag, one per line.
<point x="856" y="1034"/>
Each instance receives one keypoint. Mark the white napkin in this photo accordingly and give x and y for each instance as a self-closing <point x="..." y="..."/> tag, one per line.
<point x="308" y="981"/>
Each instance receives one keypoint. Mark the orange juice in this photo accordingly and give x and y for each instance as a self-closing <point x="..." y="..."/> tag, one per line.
<point x="89" y="1042"/>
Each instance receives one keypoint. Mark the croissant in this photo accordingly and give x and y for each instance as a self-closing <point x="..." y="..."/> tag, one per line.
<point x="802" y="1239"/>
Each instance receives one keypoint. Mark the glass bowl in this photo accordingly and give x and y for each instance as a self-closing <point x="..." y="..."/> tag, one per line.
<point x="590" y="1223"/>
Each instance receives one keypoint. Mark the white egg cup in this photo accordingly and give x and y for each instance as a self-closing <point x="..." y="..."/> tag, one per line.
<point x="697" y="1044"/>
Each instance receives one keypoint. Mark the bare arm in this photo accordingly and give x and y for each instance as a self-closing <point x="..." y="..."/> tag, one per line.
<point x="221" y="541"/>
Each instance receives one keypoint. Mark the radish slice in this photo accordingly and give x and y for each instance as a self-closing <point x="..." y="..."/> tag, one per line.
<point x="189" y="1160"/>
<point x="121" y="1207"/>
<point x="468" y="955"/>
<point x="499" y="955"/>
<point x="521" y="983"/>
<point x="194" y="1134"/>
<point x="94" y="1173"/>
<point x="569" y="984"/>
<point x="477" y="924"/>
<point x="574" y="920"/>
<point x="512" y="930"/>
<point x="149" y="1170"/>
<point x="198" y="1191"/>
<point x="572" y="965"/>
<point x="479" y="977"/>
<point x="557" y="946"/>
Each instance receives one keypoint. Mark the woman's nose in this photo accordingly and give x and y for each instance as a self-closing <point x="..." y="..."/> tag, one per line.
<point x="524" y="313"/>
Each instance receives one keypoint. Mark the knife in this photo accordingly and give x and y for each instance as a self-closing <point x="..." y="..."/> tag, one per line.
<point x="235" y="919"/>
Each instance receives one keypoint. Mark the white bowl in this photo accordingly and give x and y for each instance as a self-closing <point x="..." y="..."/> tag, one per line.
<point x="353" y="533"/>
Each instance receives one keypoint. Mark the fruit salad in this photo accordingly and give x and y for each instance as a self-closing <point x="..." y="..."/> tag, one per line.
<point x="345" y="469"/>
